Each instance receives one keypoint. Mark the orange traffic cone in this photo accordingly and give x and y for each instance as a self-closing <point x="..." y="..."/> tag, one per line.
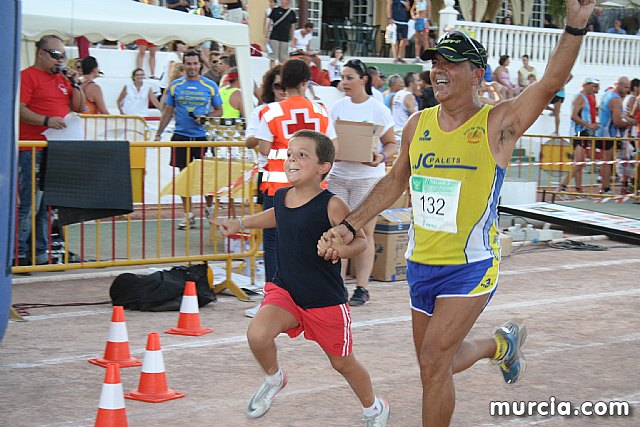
<point x="111" y="411"/>
<point x="153" y="381"/>
<point x="189" y="320"/>
<point x="117" y="349"/>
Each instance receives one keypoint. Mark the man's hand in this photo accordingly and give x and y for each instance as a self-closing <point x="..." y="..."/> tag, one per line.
<point x="593" y="126"/>
<point x="332" y="240"/>
<point x="228" y="226"/>
<point x="57" y="123"/>
<point x="72" y="73"/>
<point x="579" y="12"/>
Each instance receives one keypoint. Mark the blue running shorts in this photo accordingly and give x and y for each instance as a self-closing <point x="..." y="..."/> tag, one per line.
<point x="421" y="24"/>
<point x="428" y="282"/>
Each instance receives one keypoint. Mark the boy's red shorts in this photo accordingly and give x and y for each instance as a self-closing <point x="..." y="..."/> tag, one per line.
<point x="329" y="326"/>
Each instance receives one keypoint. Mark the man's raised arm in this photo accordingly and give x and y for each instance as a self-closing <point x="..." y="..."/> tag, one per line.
<point x="510" y="119"/>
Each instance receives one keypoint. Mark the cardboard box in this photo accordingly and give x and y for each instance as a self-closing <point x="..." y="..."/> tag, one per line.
<point x="356" y="140"/>
<point x="391" y="244"/>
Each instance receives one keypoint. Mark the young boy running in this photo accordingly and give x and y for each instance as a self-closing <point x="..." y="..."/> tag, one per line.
<point x="307" y="293"/>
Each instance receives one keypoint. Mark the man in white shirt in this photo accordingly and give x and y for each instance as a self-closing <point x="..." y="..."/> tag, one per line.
<point x="404" y="103"/>
<point x="302" y="37"/>
<point x="377" y="83"/>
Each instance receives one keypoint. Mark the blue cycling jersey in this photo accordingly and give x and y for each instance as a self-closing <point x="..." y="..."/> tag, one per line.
<point x="191" y="98"/>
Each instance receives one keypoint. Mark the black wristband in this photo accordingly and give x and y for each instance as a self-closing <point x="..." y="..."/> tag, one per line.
<point x="576" y="31"/>
<point x="46" y="121"/>
<point x="349" y="227"/>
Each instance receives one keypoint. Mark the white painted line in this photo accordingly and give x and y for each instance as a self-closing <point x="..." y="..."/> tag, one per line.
<point x="582" y="266"/>
<point x="68" y="314"/>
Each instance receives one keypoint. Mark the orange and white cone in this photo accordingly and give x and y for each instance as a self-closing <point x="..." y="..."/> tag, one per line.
<point x="153" y="380"/>
<point x="111" y="410"/>
<point x="189" y="320"/>
<point x="117" y="348"/>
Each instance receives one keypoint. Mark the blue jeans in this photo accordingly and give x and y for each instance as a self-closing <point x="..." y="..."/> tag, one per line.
<point x="269" y="243"/>
<point x="24" y="210"/>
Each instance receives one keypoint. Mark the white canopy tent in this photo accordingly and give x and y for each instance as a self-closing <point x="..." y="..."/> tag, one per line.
<point x="126" y="20"/>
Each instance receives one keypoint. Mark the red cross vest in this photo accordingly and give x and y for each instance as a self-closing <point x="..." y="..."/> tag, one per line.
<point x="285" y="118"/>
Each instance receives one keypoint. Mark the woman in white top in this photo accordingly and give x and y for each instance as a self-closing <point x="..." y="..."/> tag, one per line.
<point x="335" y="66"/>
<point x="135" y="96"/>
<point x="302" y="37"/>
<point x="351" y="181"/>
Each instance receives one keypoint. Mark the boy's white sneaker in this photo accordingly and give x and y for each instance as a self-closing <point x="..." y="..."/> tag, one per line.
<point x="379" y="420"/>
<point x="261" y="400"/>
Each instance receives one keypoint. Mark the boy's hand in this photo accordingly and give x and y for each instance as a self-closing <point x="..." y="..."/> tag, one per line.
<point x="330" y="245"/>
<point x="227" y="226"/>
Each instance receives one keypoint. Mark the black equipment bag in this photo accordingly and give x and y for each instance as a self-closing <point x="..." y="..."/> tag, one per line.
<point x="162" y="290"/>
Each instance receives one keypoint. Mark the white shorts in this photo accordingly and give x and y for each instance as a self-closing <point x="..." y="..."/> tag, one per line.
<point x="352" y="191"/>
<point x="235" y="15"/>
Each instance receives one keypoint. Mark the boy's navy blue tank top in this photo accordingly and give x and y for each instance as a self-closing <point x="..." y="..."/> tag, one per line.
<point x="311" y="281"/>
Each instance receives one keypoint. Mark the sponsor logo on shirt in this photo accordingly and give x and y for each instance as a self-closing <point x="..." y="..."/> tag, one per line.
<point x="432" y="160"/>
<point x="425" y="137"/>
<point x="474" y="135"/>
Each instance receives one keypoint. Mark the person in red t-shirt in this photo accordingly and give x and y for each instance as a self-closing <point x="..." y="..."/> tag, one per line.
<point x="46" y="96"/>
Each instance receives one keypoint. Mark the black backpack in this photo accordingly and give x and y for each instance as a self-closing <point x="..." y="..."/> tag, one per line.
<point x="162" y="290"/>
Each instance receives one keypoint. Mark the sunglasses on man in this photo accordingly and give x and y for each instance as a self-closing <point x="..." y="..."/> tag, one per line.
<point x="55" y="54"/>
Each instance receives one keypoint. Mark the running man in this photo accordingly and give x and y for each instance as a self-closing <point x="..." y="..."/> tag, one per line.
<point x="454" y="157"/>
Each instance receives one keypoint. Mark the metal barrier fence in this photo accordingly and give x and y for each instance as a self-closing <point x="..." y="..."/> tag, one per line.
<point x="225" y="173"/>
<point x="551" y="162"/>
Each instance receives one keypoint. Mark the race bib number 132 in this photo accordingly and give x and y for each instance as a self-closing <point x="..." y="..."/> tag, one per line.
<point x="435" y="203"/>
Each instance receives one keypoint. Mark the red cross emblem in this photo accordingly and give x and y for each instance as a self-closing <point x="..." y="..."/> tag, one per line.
<point x="300" y="119"/>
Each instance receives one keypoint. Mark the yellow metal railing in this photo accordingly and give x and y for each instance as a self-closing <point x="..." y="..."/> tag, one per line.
<point x="226" y="174"/>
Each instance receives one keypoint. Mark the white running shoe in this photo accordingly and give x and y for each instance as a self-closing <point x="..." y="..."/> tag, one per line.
<point x="261" y="400"/>
<point x="251" y="312"/>
<point x="183" y="224"/>
<point x="379" y="420"/>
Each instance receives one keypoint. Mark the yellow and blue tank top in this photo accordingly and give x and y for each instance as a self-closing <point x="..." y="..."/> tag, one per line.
<point x="455" y="184"/>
